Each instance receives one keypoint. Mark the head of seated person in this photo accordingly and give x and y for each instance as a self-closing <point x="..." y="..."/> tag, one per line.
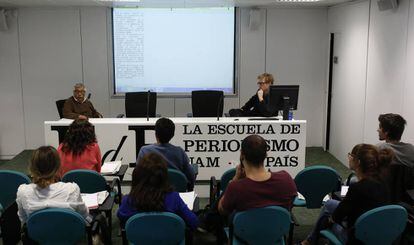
<point x="164" y="130"/>
<point x="391" y="127"/>
<point x="79" y="149"/>
<point x="370" y="162"/>
<point x="44" y="166"/>
<point x="253" y="152"/>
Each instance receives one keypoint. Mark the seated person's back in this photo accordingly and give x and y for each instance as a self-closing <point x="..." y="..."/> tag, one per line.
<point x="45" y="191"/>
<point x="151" y="192"/>
<point x="79" y="149"/>
<point x="175" y="156"/>
<point x="253" y="186"/>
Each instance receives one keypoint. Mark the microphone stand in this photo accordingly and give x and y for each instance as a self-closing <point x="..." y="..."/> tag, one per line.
<point x="221" y="101"/>
<point x="148" y="101"/>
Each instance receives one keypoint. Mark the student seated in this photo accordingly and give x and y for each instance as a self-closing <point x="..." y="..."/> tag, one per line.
<point x="253" y="186"/>
<point x="371" y="191"/>
<point x="175" y="156"/>
<point x="79" y="149"/>
<point x="46" y="191"/>
<point x="151" y="192"/>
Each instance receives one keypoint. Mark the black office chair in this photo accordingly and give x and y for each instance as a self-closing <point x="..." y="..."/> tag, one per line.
<point x="136" y="104"/>
<point x="59" y="105"/>
<point x="207" y="103"/>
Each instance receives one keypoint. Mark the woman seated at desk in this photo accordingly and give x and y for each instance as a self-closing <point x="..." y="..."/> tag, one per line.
<point x="151" y="192"/>
<point x="258" y="104"/>
<point x="79" y="149"/>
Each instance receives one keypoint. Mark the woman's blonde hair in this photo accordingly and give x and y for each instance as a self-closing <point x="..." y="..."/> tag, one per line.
<point x="267" y="77"/>
<point x="44" y="165"/>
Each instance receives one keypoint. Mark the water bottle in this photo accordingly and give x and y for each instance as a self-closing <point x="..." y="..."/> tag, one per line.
<point x="290" y="115"/>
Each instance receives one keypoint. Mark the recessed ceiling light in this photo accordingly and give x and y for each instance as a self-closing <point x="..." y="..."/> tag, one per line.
<point x="298" y="1"/>
<point x="125" y="1"/>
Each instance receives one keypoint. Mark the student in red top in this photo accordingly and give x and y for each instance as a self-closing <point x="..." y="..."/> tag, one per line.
<point x="253" y="186"/>
<point x="79" y="149"/>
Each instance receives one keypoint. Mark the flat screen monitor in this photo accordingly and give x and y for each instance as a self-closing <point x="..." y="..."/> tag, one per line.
<point x="284" y="97"/>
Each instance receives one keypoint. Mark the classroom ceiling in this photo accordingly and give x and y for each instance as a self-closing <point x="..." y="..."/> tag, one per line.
<point x="170" y="3"/>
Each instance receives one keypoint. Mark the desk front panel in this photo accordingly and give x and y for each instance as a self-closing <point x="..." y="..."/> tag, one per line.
<point x="213" y="145"/>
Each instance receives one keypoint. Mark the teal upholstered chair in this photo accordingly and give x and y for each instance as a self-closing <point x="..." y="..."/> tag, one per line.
<point x="155" y="228"/>
<point x="9" y="222"/>
<point x="90" y="181"/>
<point x="216" y="188"/>
<point x="380" y="225"/>
<point x="314" y="183"/>
<point x="177" y="180"/>
<point x="10" y="182"/>
<point x="260" y="226"/>
<point x="56" y="226"/>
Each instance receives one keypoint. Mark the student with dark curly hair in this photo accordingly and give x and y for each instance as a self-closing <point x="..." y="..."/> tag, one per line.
<point x="151" y="192"/>
<point x="79" y="149"/>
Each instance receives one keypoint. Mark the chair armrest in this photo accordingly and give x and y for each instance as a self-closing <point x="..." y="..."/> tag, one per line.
<point x="331" y="237"/>
<point x="120" y="116"/>
<point x="189" y="114"/>
<point x="116" y="182"/>
<point x="195" y="169"/>
<point x="213" y="189"/>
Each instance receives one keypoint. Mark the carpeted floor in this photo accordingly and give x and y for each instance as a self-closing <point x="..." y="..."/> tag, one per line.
<point x="306" y="218"/>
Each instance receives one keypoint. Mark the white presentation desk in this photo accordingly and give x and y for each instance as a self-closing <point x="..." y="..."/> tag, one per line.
<point x="213" y="145"/>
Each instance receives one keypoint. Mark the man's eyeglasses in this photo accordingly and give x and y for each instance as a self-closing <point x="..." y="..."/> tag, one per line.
<point x="261" y="83"/>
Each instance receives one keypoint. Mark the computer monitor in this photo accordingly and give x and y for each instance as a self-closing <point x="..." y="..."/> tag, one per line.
<point x="284" y="97"/>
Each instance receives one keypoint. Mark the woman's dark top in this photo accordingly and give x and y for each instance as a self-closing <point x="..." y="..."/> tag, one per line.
<point x="362" y="196"/>
<point x="254" y="107"/>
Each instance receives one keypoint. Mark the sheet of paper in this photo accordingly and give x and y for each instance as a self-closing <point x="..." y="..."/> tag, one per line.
<point x="188" y="198"/>
<point x="111" y="167"/>
<point x="344" y="190"/>
<point x="90" y="200"/>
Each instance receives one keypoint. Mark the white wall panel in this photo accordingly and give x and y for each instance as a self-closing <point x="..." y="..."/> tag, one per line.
<point x="296" y="53"/>
<point x="386" y="65"/>
<point x="12" y="139"/>
<point x="408" y="103"/>
<point x="51" y="61"/>
<point x="350" y="25"/>
<point x="94" y="56"/>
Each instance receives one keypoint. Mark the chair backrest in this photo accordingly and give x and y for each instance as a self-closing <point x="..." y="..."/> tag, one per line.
<point x="56" y="226"/>
<point x="89" y="181"/>
<point x="266" y="225"/>
<point x="136" y="104"/>
<point x="177" y="180"/>
<point x="10" y="182"/>
<point x="155" y="228"/>
<point x="381" y="225"/>
<point x="315" y="182"/>
<point x="59" y="106"/>
<point x="205" y="103"/>
<point x="226" y="177"/>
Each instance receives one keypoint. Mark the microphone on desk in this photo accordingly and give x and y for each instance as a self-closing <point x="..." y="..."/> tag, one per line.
<point x="221" y="101"/>
<point x="148" y="102"/>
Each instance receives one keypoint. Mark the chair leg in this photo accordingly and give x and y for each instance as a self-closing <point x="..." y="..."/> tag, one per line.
<point x="290" y="238"/>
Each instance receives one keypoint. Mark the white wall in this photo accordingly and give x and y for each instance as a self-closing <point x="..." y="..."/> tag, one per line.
<point x="389" y="82"/>
<point x="59" y="46"/>
<point x="350" y="26"/>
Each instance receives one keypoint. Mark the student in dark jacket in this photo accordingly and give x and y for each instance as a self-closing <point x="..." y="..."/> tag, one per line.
<point x="258" y="104"/>
<point x="371" y="191"/>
